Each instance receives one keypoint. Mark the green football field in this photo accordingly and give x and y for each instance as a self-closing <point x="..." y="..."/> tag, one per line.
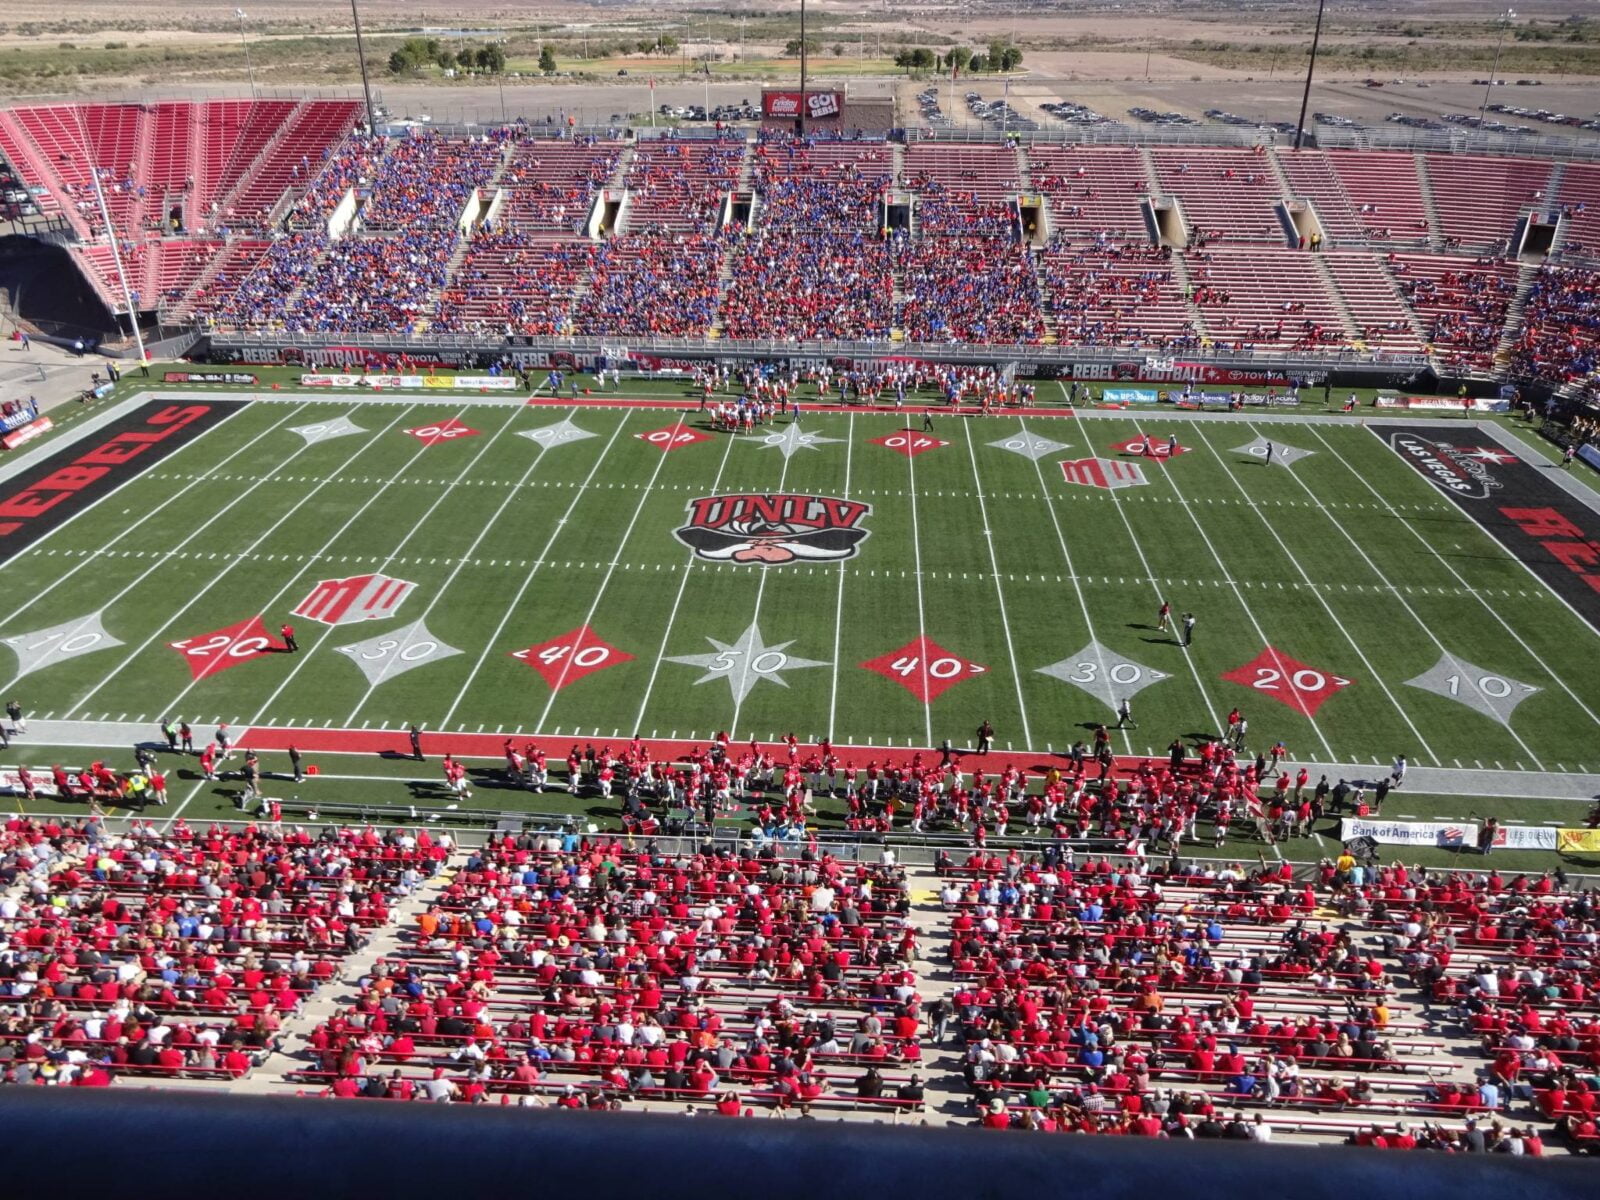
<point x="497" y="568"/>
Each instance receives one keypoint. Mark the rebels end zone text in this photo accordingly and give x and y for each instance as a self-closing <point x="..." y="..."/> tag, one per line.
<point x="69" y="482"/>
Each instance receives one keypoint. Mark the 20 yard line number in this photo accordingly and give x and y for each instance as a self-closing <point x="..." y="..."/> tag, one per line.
<point x="220" y="644"/>
<point x="1270" y="679"/>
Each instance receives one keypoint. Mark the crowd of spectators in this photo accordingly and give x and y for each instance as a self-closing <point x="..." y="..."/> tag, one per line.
<point x="662" y="284"/>
<point x="1115" y="294"/>
<point x="971" y="289"/>
<point x="833" y="285"/>
<point x="348" y="166"/>
<point x="1560" y="337"/>
<point x="262" y="296"/>
<point x="812" y="186"/>
<point x="595" y="972"/>
<point x="1462" y="305"/>
<point x="424" y="180"/>
<point x="374" y="282"/>
<point x="157" y="954"/>
<point x="682" y="185"/>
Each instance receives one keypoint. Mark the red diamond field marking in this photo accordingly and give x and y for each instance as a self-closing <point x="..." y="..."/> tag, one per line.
<point x="568" y="658"/>
<point x="909" y="443"/>
<point x="444" y="431"/>
<point x="673" y="437"/>
<point x="210" y="653"/>
<point x="1151" y="449"/>
<point x="1288" y="681"/>
<point x="924" y="668"/>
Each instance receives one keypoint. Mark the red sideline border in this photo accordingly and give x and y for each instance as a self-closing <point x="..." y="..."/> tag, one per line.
<point x="391" y="743"/>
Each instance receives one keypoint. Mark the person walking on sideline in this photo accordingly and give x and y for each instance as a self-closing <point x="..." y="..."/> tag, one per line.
<point x="416" y="744"/>
<point x="186" y="736"/>
<point x="289" y="643"/>
<point x="294" y="761"/>
<point x="1397" y="775"/>
<point x="927" y="420"/>
<point x="19" y="723"/>
<point x="985" y="737"/>
<point x="1188" y="630"/>
<point x="1163" y="616"/>
<point x="1566" y="457"/>
<point x="170" y="732"/>
<point x="1125" y="716"/>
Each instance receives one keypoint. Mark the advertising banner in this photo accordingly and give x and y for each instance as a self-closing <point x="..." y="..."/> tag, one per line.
<point x="210" y="377"/>
<point x="1578" y="841"/>
<point x="1410" y="833"/>
<point x="1524" y="837"/>
<point x="818" y="105"/>
<point x="1129" y="396"/>
<point x="26" y="433"/>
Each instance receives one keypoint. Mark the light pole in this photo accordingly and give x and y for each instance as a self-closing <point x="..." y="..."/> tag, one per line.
<point x="1505" y="23"/>
<point x="245" y="42"/>
<point x="802" y="122"/>
<point x="366" y="85"/>
<point x="1305" y="99"/>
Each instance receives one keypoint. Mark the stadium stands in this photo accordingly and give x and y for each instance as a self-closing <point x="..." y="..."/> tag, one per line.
<point x="1121" y="296"/>
<point x="550" y="185"/>
<point x="1480" y="199"/>
<point x="1227" y="195"/>
<point x="1265" y="298"/>
<point x="511" y="282"/>
<point x="681" y="186"/>
<point x="1462" y="303"/>
<point x="203" y="194"/>
<point x="1560" y="338"/>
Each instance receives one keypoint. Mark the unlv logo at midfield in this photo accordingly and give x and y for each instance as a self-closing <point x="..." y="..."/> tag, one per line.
<point x="768" y="531"/>
<point x="1103" y="473"/>
<point x="358" y="598"/>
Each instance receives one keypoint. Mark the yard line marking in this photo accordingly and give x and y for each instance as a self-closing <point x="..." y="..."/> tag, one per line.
<point x="232" y="561"/>
<point x="838" y="606"/>
<point x="999" y="592"/>
<point x="761" y="591"/>
<point x="605" y="582"/>
<point x="1138" y="548"/>
<point x="1372" y="670"/>
<point x="1239" y="595"/>
<point x="677" y="601"/>
<point x="1492" y="610"/>
<point x="241" y="556"/>
<point x="483" y="532"/>
<point x="88" y="556"/>
<point x="922" y="622"/>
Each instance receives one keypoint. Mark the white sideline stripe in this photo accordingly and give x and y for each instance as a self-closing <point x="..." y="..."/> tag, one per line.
<point x="605" y="581"/>
<point x="1294" y="561"/>
<point x="461" y="562"/>
<point x="1138" y="548"/>
<point x="172" y="709"/>
<point x="677" y="601"/>
<point x="162" y="561"/>
<point x="999" y="588"/>
<point x="922" y="618"/>
<point x="1249" y="613"/>
<point x="527" y="580"/>
<point x="328" y="631"/>
<point x="838" y="604"/>
<point x="77" y="432"/>
<point x="1560" y="682"/>
<point x="1072" y="573"/>
<point x="181" y="494"/>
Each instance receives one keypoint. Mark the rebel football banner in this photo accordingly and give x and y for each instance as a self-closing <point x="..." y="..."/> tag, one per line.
<point x="1449" y="834"/>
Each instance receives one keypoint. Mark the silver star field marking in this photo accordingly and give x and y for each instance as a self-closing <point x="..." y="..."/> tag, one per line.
<point x="45" y="647"/>
<point x="1495" y="696"/>
<point x="791" y="438"/>
<point x="1282" y="456"/>
<point x="391" y="654"/>
<point x="326" y="431"/>
<point x="746" y="662"/>
<point x="1029" y="445"/>
<point x="559" y="434"/>
<point x="1104" y="674"/>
